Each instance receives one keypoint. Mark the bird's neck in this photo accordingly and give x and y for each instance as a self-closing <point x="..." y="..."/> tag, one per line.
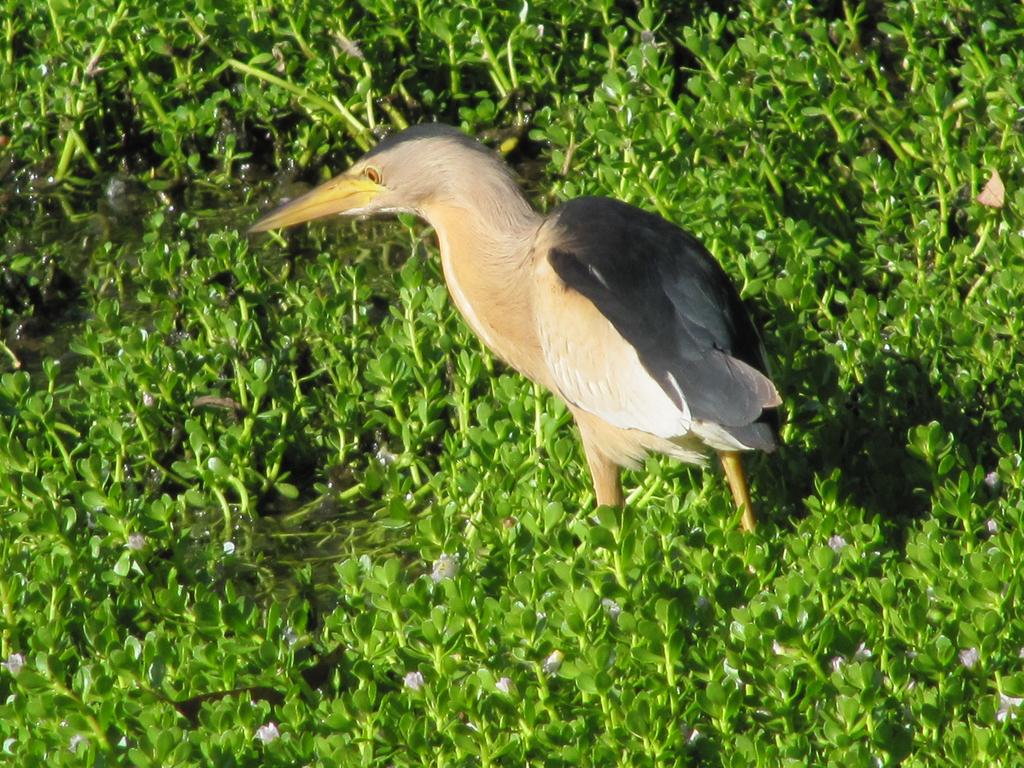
<point x="486" y="256"/>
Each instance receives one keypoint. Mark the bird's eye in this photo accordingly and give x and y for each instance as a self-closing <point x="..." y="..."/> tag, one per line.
<point x="372" y="173"/>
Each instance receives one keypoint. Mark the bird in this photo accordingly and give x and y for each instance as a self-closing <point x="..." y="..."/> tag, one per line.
<point x="622" y="314"/>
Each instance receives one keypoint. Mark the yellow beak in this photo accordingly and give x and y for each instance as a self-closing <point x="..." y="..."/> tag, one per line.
<point x="339" y="195"/>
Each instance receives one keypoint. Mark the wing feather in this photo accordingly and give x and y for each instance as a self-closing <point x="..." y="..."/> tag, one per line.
<point x="594" y="368"/>
<point x="646" y="295"/>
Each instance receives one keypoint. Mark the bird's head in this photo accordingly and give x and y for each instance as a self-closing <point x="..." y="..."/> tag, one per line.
<point x="406" y="173"/>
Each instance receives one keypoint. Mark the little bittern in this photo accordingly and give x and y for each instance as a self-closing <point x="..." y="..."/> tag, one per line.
<point x="622" y="314"/>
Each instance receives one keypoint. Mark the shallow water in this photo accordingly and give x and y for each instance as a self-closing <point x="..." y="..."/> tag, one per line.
<point x="48" y="238"/>
<point x="56" y="249"/>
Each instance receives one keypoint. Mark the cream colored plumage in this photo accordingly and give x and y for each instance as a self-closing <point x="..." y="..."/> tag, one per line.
<point x="623" y="315"/>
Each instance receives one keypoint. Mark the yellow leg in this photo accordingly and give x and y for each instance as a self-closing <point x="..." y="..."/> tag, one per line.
<point x="732" y="463"/>
<point x="605" y="474"/>
<point x="603" y="471"/>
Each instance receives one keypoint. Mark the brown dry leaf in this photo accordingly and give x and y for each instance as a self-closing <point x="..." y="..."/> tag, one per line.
<point x="350" y="47"/>
<point x="994" y="193"/>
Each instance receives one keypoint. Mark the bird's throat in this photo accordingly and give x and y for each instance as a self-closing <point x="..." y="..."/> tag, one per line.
<point x="488" y="272"/>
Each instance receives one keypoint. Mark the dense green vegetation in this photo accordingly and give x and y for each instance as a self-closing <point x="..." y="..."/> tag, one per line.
<point x="269" y="502"/>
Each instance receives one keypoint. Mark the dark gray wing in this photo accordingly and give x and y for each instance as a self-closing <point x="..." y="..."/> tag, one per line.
<point x="669" y="298"/>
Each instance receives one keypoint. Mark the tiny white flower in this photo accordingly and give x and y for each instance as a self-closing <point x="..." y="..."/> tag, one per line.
<point x="290" y="636"/>
<point x="136" y="542"/>
<point x="992" y="527"/>
<point x="504" y="685"/>
<point x="229" y="547"/>
<point x="837" y="663"/>
<point x="553" y="662"/>
<point x="445" y="567"/>
<point x="969" y="657"/>
<point x="611" y="607"/>
<point x="414" y="680"/>
<point x="690" y="734"/>
<point x="837" y="543"/>
<point x="1008" y="706"/>
<point x="862" y="653"/>
<point x="384" y="456"/>
<point x="268" y="733"/>
<point x="992" y="480"/>
<point x="14" y="663"/>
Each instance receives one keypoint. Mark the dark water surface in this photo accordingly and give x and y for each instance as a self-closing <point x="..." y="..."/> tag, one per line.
<point x="48" y="240"/>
